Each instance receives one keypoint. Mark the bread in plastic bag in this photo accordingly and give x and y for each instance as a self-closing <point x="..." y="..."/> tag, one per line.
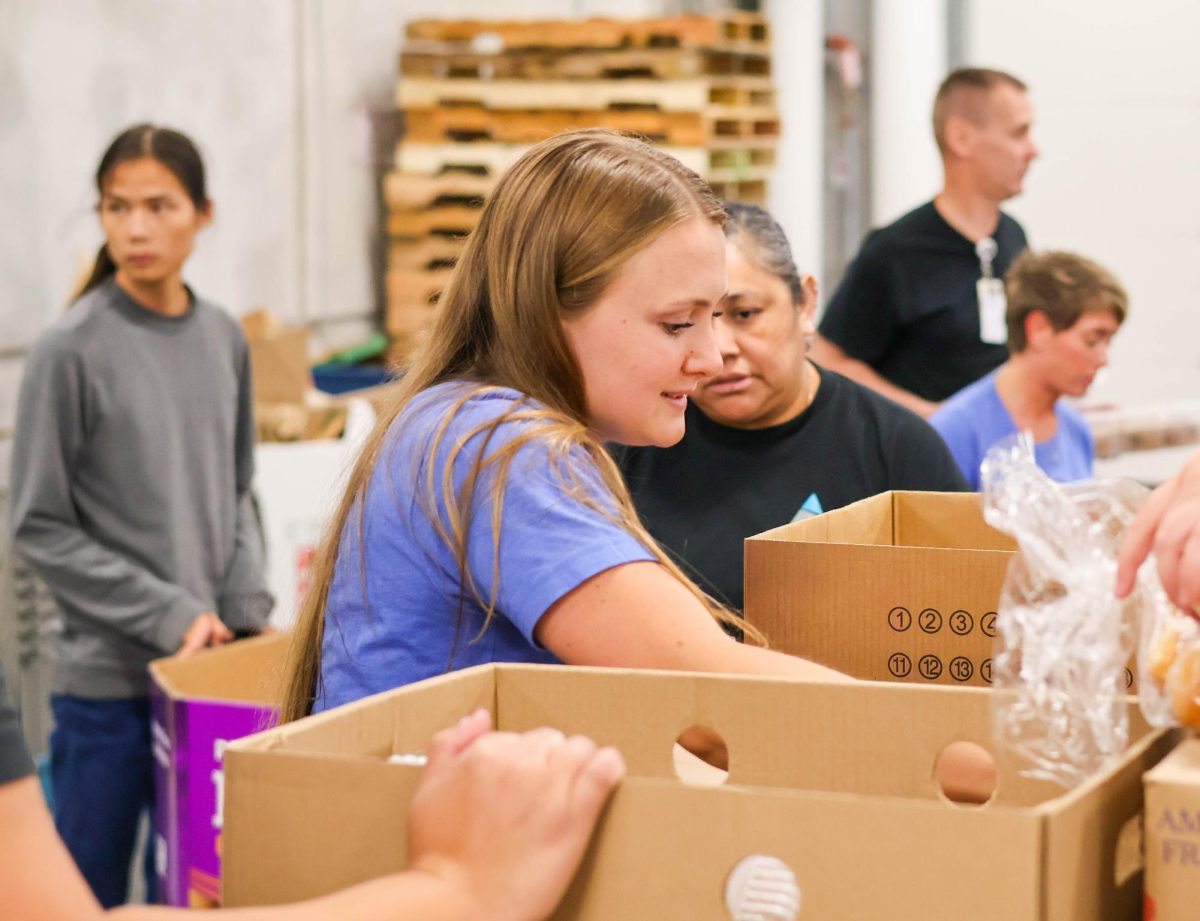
<point x="1063" y="638"/>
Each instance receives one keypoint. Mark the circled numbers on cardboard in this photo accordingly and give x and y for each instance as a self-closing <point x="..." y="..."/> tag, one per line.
<point x="985" y="670"/>
<point x="899" y="619"/>
<point x="930" y="667"/>
<point x="899" y="665"/>
<point x="961" y="668"/>
<point x="961" y="622"/>
<point x="987" y="623"/>
<point x="930" y="620"/>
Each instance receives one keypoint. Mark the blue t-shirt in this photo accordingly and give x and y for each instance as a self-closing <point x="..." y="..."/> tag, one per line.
<point x="393" y="614"/>
<point x="976" y="418"/>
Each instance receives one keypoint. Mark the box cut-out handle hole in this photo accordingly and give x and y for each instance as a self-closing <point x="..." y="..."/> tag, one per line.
<point x="701" y="757"/>
<point x="965" y="773"/>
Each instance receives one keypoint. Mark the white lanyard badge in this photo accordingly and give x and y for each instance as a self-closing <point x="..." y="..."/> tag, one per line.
<point x="990" y="292"/>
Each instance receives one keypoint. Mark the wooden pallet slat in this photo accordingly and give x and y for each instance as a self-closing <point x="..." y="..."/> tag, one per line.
<point x="688" y="95"/>
<point x="450" y="221"/>
<point x="723" y="159"/>
<point x="449" y="61"/>
<point x="665" y="32"/>
<point x="753" y="192"/>
<point x="406" y="286"/>
<point x="425" y="254"/>
<point x="409" y="192"/>
<point x="683" y="129"/>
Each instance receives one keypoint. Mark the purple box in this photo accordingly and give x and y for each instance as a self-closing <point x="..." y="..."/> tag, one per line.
<point x="200" y="704"/>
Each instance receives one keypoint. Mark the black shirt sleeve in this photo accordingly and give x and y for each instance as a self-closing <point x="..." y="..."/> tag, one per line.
<point x="15" y="762"/>
<point x="920" y="459"/>
<point x="862" y="317"/>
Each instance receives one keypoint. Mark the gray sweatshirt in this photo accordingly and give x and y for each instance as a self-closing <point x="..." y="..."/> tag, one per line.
<point x="131" y="470"/>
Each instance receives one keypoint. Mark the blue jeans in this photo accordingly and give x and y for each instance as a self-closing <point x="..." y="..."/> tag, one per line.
<point x="102" y="768"/>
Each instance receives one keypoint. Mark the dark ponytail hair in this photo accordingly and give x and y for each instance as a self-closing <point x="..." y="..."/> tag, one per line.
<point x="172" y="149"/>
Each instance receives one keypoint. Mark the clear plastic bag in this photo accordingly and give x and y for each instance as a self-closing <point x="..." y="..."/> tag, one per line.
<point x="1064" y="640"/>
<point x="1168" y="661"/>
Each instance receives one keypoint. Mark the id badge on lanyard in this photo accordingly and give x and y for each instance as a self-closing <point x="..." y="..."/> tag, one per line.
<point x="990" y="291"/>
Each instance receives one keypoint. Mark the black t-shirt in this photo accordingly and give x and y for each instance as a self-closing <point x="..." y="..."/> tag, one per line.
<point x="702" y="497"/>
<point x="14" y="756"/>
<point x="908" y="306"/>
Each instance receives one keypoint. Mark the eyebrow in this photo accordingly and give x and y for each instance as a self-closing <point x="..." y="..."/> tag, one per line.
<point x="157" y="197"/>
<point x="693" y="302"/>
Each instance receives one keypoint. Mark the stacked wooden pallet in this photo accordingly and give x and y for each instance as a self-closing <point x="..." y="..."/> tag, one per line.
<point x="476" y="93"/>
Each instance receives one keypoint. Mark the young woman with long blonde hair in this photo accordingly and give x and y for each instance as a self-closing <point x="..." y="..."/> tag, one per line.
<point x="484" y="520"/>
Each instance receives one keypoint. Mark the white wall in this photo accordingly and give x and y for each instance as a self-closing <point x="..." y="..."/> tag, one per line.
<point x="283" y="97"/>
<point x="73" y="73"/>
<point x="1115" y="88"/>
<point x="798" y="63"/>
<point x="908" y="62"/>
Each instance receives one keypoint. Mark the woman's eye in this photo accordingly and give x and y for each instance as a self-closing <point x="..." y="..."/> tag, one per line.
<point x="674" y="329"/>
<point x="745" y="314"/>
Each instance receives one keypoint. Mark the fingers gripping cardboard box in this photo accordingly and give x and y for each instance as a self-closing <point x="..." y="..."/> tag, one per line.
<point x="903" y="586"/>
<point x="835" y="782"/>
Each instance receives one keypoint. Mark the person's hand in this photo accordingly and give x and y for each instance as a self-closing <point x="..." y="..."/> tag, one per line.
<point x="206" y="630"/>
<point x="505" y="818"/>
<point x="1169" y="523"/>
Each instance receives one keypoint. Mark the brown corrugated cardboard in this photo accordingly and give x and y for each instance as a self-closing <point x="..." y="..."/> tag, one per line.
<point x="1173" y="836"/>
<point x="834" y="780"/>
<point x="899" y="587"/>
<point x="278" y="358"/>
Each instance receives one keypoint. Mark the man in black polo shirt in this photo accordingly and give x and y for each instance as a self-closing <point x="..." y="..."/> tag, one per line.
<point x="920" y="311"/>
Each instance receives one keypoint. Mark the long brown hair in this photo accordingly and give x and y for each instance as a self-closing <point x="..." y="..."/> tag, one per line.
<point x="554" y="232"/>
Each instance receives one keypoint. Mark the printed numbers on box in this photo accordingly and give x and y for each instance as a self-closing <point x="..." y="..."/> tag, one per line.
<point x="930" y="667"/>
<point x="1128" y="678"/>
<point x="899" y="619"/>
<point x="985" y="670"/>
<point x="961" y="622"/>
<point x="899" y="665"/>
<point x="987" y="623"/>
<point x="930" y="620"/>
<point x="961" y="668"/>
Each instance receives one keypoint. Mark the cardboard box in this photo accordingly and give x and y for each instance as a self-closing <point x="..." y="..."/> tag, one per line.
<point x="899" y="587"/>
<point x="834" y="780"/>
<point x="278" y="358"/>
<point x="199" y="704"/>
<point x="1173" y="836"/>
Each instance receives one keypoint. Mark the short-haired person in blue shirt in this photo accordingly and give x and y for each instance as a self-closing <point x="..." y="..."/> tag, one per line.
<point x="485" y="521"/>
<point x="1063" y="311"/>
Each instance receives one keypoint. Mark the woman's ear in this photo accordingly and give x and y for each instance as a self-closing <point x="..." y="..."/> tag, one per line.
<point x="808" y="305"/>
<point x="1038" y="329"/>
<point x="204" y="216"/>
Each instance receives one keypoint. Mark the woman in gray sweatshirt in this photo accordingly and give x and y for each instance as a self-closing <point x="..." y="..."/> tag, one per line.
<point x="131" y="471"/>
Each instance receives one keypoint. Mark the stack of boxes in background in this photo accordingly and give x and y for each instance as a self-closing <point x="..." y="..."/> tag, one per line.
<point x="476" y="94"/>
